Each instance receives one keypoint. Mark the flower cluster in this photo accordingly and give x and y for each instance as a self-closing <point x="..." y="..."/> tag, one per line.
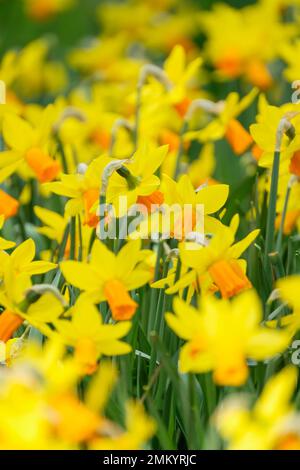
<point x="150" y="216"/>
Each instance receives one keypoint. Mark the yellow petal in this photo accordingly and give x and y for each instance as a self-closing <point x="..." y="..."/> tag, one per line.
<point x="17" y="133"/>
<point x="104" y="260"/>
<point x="213" y="197"/>
<point x="266" y="343"/>
<point x="238" y="248"/>
<point x="39" y="267"/>
<point x="81" y="275"/>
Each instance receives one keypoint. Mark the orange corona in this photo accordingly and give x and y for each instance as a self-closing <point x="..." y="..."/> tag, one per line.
<point x="8" y="205"/>
<point x="9" y="323"/>
<point x="239" y="139"/>
<point x="44" y="167"/>
<point x="121" y="304"/>
<point x="229" y="277"/>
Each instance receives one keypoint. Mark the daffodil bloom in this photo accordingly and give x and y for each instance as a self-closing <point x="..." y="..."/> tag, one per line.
<point x="54" y="225"/>
<point x="138" y="183"/>
<point x="47" y="430"/>
<point x="29" y="145"/>
<point x="181" y="195"/>
<point x="226" y="124"/>
<point x="83" y="189"/>
<point x="180" y="75"/>
<point x="271" y="423"/>
<point x="89" y="336"/>
<point x="219" y="260"/>
<point x="211" y="198"/>
<point x="221" y="335"/>
<point x="39" y="314"/>
<point x="36" y="73"/>
<point x="245" y="57"/>
<point x="109" y="277"/>
<point x="38" y="404"/>
<point x="16" y="272"/>
<point x="44" y="9"/>
<point x="264" y="134"/>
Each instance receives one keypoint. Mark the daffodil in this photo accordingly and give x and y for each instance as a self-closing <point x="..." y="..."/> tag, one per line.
<point x="255" y="48"/>
<point x="83" y="189"/>
<point x="181" y="196"/>
<point x="264" y="134"/>
<point x="226" y="124"/>
<point x="218" y="261"/>
<point x="272" y="423"/>
<point x="180" y="75"/>
<point x="89" y="336"/>
<point x="44" y="9"/>
<point x="29" y="145"/>
<point x="35" y="73"/>
<point x="109" y="277"/>
<point x="136" y="181"/>
<point x="221" y="335"/>
<point x="16" y="272"/>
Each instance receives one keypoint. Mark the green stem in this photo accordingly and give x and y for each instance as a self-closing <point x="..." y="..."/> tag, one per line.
<point x="272" y="207"/>
<point x="283" y="216"/>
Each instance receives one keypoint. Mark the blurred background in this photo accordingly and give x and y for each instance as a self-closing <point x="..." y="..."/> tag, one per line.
<point x="17" y="28"/>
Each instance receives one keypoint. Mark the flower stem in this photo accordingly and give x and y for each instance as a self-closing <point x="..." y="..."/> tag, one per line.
<point x="283" y="216"/>
<point x="272" y="206"/>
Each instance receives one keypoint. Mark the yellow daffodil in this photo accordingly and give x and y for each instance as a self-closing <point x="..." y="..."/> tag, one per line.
<point x="226" y="123"/>
<point x="271" y="424"/>
<point x="219" y="260"/>
<point x="180" y="75"/>
<point x="44" y="9"/>
<point x="264" y="134"/>
<point x="255" y="48"/>
<point x="83" y="189"/>
<point x="29" y="145"/>
<point x="109" y="277"/>
<point x="221" y="335"/>
<point x="181" y="195"/>
<point x="89" y="336"/>
<point x="16" y="272"/>
<point x="138" y="183"/>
